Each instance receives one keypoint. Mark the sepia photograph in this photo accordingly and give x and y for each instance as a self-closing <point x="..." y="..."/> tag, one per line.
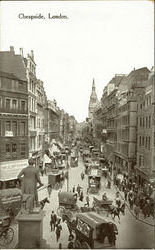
<point x="77" y="125"/>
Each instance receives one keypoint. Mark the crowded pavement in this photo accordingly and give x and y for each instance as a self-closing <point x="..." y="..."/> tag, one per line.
<point x="132" y="232"/>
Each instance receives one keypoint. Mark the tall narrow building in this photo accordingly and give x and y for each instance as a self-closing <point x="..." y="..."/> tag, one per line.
<point x="93" y="101"/>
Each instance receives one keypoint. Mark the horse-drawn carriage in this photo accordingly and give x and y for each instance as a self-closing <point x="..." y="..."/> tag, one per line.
<point x="90" y="230"/>
<point x="103" y="205"/>
<point x="55" y="178"/>
<point x="94" y="179"/>
<point x="74" y="159"/>
<point x="67" y="203"/>
<point x="6" y="232"/>
<point x="10" y="202"/>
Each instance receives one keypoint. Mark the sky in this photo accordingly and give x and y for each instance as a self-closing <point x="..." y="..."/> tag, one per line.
<point x="98" y="40"/>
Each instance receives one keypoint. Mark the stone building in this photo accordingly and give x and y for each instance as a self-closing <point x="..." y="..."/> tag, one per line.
<point x="30" y="66"/>
<point x="72" y="127"/>
<point x="145" y="167"/>
<point x="53" y="120"/>
<point x="97" y="125"/>
<point x="111" y="112"/>
<point x="128" y="91"/>
<point x="41" y="119"/>
<point x="13" y="116"/>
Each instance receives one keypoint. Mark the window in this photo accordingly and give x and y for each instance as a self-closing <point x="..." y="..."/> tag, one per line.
<point x="0" y="128"/>
<point x="143" y="141"/>
<point x="23" y="105"/>
<point x="140" y="160"/>
<point x="14" y="128"/>
<point x="140" y="140"/>
<point x="146" y="122"/>
<point x="8" y="104"/>
<point x="146" y="142"/>
<point x="140" y="122"/>
<point x="22" y="128"/>
<point x="8" y="148"/>
<point x="0" y="102"/>
<point x="14" y="148"/>
<point x="143" y="122"/>
<point x="8" y="126"/>
<point x="149" y="142"/>
<point x="14" y="104"/>
<point x="149" y="121"/>
<point x="23" y="149"/>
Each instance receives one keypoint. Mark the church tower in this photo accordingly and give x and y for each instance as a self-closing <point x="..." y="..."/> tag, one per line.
<point x="93" y="100"/>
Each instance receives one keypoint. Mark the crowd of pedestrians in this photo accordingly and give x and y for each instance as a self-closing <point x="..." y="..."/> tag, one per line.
<point x="139" y="200"/>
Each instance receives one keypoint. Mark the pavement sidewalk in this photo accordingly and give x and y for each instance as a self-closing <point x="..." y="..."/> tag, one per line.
<point x="148" y="220"/>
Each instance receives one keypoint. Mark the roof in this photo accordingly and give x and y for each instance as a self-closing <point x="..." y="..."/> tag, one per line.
<point x="91" y="218"/>
<point x="137" y="71"/>
<point x="13" y="64"/>
<point x="66" y="194"/>
<point x="8" y="75"/>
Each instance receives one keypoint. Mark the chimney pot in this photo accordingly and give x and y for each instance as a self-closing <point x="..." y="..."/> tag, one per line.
<point x="21" y="51"/>
<point x="32" y="54"/>
<point x="11" y="48"/>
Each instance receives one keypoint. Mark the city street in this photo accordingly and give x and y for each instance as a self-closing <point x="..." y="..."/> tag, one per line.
<point x="131" y="232"/>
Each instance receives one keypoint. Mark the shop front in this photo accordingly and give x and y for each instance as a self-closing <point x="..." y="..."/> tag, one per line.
<point x="9" y="171"/>
<point x="142" y="176"/>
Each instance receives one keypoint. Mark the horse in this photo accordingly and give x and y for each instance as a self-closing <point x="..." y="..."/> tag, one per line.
<point x="43" y="202"/>
<point x="115" y="211"/>
<point x="71" y="224"/>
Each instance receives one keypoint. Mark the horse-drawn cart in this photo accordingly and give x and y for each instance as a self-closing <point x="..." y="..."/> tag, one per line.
<point x="103" y="205"/>
<point x="6" y="232"/>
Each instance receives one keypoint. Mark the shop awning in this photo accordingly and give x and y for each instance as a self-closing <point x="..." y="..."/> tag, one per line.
<point x="46" y="159"/>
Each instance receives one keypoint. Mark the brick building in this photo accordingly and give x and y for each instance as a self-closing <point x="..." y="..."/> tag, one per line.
<point x="13" y="116"/>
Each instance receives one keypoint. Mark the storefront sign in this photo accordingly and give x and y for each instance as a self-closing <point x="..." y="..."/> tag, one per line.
<point x="9" y="133"/>
<point x="9" y="170"/>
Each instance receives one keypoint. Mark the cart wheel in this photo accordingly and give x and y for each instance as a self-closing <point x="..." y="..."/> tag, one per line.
<point x="60" y="211"/>
<point x="6" y="236"/>
<point x="85" y="245"/>
<point x="77" y="244"/>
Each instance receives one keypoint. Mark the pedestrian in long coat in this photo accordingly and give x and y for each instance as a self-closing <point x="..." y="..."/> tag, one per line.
<point x="87" y="201"/>
<point x="78" y="189"/>
<point x="74" y="189"/>
<point x="58" y="231"/>
<point x="136" y="211"/>
<point x="81" y="196"/>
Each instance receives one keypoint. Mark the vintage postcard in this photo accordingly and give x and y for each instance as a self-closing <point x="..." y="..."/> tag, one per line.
<point x="77" y="125"/>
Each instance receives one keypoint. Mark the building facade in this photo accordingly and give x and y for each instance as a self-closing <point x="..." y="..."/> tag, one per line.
<point x="128" y="91"/>
<point x="13" y="116"/>
<point x="53" y="120"/>
<point x="41" y="120"/>
<point x="30" y="66"/>
<point x="145" y="166"/>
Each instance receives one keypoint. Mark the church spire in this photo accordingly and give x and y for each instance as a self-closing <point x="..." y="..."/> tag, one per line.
<point x="93" y="85"/>
<point x="93" y="99"/>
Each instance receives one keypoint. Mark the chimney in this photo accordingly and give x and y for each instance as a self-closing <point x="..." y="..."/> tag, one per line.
<point x="32" y="55"/>
<point x="21" y="51"/>
<point x="12" y="49"/>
